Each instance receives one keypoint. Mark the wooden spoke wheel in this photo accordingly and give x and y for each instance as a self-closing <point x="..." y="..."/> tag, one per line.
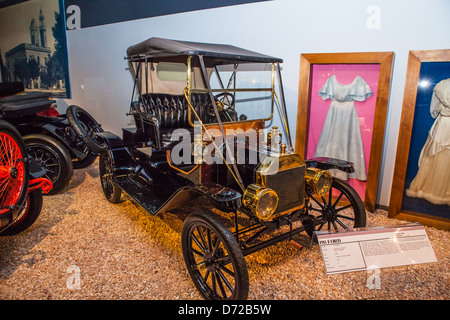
<point x="341" y="208"/>
<point x="213" y="257"/>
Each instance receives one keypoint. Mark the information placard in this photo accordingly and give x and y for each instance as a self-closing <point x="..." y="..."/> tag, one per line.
<point x="379" y="247"/>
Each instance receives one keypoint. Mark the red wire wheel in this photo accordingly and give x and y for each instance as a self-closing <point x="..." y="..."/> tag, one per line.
<point x="27" y="215"/>
<point x="13" y="171"/>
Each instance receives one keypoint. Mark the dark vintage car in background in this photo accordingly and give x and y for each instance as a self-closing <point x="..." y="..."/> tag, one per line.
<point x="206" y="132"/>
<point x="50" y="137"/>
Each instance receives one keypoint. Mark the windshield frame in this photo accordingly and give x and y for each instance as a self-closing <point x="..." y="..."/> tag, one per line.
<point x="141" y="82"/>
<point x="191" y="117"/>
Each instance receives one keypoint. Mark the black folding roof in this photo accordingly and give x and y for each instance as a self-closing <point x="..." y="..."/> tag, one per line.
<point x="161" y="48"/>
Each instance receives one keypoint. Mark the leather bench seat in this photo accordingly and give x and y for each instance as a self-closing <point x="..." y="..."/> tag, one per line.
<point x="171" y="112"/>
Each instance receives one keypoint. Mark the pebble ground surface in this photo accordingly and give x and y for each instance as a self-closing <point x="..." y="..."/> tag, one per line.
<point x="82" y="247"/>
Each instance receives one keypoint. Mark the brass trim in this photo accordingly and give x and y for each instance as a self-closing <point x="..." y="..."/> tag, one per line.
<point x="283" y="117"/>
<point x="186" y="94"/>
<point x="189" y="90"/>
<point x="273" y="88"/>
<point x="273" y="164"/>
<point x="169" y="161"/>
<point x="253" y="195"/>
<point x="312" y="177"/>
<point x="268" y="166"/>
<point x="232" y="90"/>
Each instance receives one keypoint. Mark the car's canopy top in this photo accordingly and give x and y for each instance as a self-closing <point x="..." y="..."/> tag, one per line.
<point x="159" y="48"/>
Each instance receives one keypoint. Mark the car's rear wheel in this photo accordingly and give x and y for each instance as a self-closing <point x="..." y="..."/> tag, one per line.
<point x="340" y="208"/>
<point x="213" y="258"/>
<point x="52" y="156"/>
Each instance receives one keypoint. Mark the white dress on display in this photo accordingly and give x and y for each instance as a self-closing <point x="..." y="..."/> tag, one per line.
<point x="432" y="181"/>
<point x="340" y="137"/>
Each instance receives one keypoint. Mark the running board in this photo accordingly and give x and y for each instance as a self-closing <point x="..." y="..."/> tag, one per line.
<point x="140" y="194"/>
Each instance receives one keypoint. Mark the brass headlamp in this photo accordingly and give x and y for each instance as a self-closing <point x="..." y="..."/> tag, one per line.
<point x="261" y="201"/>
<point x="318" y="181"/>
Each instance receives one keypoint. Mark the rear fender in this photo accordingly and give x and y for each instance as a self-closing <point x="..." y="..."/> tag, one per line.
<point x="51" y="126"/>
<point x="54" y="127"/>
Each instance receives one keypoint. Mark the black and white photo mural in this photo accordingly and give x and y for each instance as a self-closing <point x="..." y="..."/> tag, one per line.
<point x="33" y="49"/>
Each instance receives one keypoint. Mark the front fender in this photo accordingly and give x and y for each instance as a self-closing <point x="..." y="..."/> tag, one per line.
<point x="223" y="198"/>
<point x="330" y="163"/>
<point x="119" y="153"/>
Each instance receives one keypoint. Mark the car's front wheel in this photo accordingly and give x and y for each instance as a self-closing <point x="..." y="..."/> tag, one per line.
<point x="340" y="208"/>
<point x="213" y="258"/>
<point x="110" y="189"/>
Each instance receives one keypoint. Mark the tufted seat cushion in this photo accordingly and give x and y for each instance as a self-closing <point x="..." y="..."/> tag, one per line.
<point x="171" y="112"/>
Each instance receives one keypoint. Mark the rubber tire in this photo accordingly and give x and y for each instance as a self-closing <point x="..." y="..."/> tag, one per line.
<point x="8" y="128"/>
<point x="355" y="200"/>
<point x="229" y="241"/>
<point x="75" y="123"/>
<point x="33" y="210"/>
<point x="104" y="162"/>
<point x="60" y="152"/>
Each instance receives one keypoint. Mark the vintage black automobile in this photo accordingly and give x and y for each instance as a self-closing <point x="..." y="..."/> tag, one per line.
<point x="59" y="143"/>
<point x="206" y="133"/>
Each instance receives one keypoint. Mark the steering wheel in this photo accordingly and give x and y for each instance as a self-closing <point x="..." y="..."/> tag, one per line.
<point x="224" y="98"/>
<point x="226" y="109"/>
<point x="86" y="127"/>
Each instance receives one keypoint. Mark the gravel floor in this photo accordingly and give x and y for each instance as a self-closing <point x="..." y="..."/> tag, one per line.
<point x="120" y="252"/>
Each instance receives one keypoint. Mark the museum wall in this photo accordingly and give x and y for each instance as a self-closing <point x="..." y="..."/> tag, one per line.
<point x="101" y="84"/>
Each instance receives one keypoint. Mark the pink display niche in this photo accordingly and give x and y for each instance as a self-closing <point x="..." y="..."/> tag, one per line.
<point x="345" y="74"/>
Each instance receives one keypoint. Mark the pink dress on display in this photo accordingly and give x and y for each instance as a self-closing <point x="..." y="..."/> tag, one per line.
<point x="340" y="137"/>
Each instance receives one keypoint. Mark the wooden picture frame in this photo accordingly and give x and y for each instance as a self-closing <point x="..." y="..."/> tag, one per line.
<point x="404" y="146"/>
<point x="382" y="59"/>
